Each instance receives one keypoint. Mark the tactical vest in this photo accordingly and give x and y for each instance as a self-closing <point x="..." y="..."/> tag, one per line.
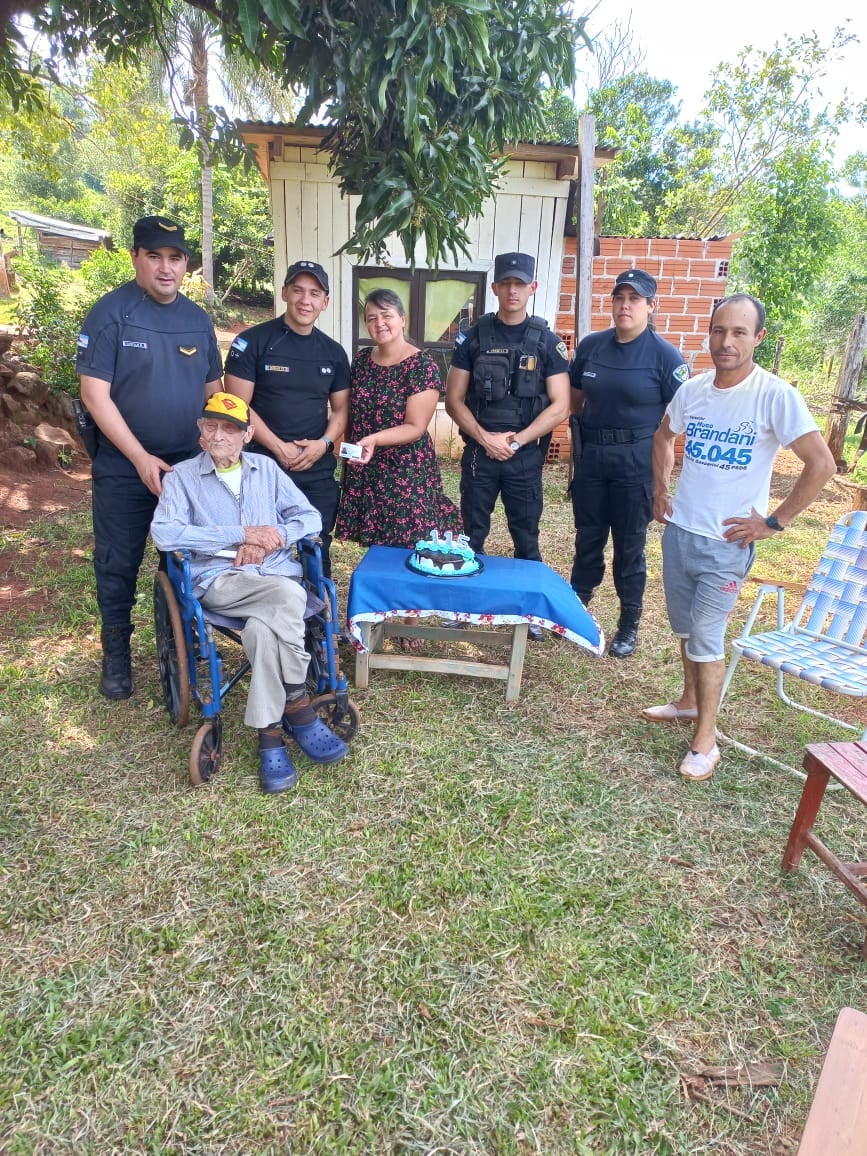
<point x="507" y="390"/>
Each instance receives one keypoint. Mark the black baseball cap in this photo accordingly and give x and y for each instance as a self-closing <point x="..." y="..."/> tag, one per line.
<point x="311" y="267"/>
<point x="521" y="266"/>
<point x="637" y="279"/>
<point x="158" y="233"/>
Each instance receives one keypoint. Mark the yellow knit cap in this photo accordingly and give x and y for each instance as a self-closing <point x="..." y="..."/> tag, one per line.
<point x="227" y="407"/>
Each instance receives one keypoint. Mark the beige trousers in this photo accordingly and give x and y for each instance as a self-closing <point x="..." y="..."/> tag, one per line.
<point x="273" y="635"/>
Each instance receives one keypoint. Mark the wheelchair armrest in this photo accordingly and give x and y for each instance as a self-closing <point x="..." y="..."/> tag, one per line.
<point x="178" y="563"/>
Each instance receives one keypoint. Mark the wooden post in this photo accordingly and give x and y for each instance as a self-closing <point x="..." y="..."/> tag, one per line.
<point x="584" y="242"/>
<point x="844" y="390"/>
<point x="778" y="354"/>
<point x="4" y="280"/>
<point x="584" y="257"/>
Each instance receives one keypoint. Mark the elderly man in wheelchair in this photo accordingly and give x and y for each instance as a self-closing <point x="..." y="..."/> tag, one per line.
<point x="240" y="516"/>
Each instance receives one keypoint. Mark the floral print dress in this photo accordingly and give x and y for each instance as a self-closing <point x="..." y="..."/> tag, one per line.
<point x="397" y="498"/>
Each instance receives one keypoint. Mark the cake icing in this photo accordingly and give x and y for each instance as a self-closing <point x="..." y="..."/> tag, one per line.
<point x="447" y="557"/>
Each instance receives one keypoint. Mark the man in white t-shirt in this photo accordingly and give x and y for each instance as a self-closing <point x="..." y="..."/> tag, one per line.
<point x="735" y="418"/>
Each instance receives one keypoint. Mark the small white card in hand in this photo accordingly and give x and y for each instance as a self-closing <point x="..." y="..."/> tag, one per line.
<point x="350" y="451"/>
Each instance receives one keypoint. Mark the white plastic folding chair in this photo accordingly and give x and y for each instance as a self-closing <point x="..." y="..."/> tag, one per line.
<point x="824" y="644"/>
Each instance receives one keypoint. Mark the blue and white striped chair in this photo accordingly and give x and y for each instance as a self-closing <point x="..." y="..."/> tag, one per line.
<point x="824" y="644"/>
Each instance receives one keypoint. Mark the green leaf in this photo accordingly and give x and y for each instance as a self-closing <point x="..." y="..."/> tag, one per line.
<point x="248" y="19"/>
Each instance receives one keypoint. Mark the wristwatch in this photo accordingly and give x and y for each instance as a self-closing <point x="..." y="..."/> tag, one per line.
<point x="514" y="446"/>
<point x="773" y="524"/>
<point x="329" y="445"/>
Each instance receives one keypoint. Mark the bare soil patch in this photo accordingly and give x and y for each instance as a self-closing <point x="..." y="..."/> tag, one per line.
<point x="25" y="497"/>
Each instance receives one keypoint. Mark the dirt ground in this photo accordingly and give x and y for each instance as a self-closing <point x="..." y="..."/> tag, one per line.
<point x="24" y="498"/>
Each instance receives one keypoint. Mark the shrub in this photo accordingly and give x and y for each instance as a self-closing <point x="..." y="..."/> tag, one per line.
<point x="53" y="314"/>
<point x="51" y="326"/>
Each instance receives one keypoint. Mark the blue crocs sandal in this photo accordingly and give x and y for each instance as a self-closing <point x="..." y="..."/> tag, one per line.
<point x="318" y="743"/>
<point x="276" y="771"/>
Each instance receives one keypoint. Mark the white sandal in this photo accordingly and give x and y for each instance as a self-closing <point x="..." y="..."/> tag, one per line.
<point x="668" y="713"/>
<point x="699" y="767"/>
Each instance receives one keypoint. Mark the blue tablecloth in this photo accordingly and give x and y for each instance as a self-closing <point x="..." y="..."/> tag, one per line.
<point x="508" y="590"/>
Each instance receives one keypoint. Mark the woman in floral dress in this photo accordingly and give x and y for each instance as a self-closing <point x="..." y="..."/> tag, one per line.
<point x="394" y="495"/>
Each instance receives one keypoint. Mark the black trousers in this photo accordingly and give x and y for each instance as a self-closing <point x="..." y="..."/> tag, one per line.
<point x="123" y="508"/>
<point x="517" y="481"/>
<point x="612" y="492"/>
<point x="319" y="487"/>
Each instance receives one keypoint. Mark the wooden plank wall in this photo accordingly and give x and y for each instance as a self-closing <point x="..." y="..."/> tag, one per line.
<point x="312" y="221"/>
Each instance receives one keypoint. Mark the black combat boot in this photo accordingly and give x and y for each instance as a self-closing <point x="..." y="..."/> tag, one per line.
<point x="116" y="681"/>
<point x="626" y="639"/>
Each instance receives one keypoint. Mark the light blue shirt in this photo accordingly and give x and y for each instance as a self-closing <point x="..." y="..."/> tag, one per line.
<point x="197" y="512"/>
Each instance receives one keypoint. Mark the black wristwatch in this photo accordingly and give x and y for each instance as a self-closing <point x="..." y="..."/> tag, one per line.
<point x="329" y="445"/>
<point x="773" y="524"/>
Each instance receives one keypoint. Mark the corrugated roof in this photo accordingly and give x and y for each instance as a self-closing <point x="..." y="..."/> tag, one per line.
<point x="58" y="228"/>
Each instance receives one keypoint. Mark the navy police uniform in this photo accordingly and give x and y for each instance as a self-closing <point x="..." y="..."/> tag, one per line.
<point x="157" y="359"/>
<point x="293" y="377"/>
<point x="626" y="387"/>
<point x="519" y="480"/>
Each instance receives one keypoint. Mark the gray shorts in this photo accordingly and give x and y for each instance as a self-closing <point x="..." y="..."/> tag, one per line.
<point x="702" y="578"/>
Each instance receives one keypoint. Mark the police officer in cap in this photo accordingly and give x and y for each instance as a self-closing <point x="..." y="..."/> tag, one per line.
<point x="507" y="389"/>
<point x="622" y="380"/>
<point x="147" y="358"/>
<point x="296" y="379"/>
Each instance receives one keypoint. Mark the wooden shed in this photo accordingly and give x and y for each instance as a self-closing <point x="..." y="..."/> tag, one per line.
<point x="312" y="220"/>
<point x="61" y="241"/>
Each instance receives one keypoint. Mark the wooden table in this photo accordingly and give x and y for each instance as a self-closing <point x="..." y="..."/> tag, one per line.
<point x="495" y="608"/>
<point x="374" y="634"/>
<point x="847" y="763"/>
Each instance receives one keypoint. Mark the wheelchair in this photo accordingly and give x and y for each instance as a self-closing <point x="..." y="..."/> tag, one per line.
<point x="192" y="669"/>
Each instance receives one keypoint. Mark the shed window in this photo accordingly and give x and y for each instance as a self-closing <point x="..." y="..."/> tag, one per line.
<point x="438" y="306"/>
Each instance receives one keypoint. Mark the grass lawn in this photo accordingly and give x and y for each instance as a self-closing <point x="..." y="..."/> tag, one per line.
<point x="492" y="929"/>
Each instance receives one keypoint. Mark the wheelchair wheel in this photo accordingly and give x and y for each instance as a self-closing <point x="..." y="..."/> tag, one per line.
<point x="171" y="651"/>
<point x="343" y="724"/>
<point x="206" y="755"/>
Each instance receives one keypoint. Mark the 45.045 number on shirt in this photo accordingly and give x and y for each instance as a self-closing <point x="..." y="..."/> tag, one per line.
<point x="718" y="455"/>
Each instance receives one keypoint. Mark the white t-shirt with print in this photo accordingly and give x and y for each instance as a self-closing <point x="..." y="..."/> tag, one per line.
<point x="732" y="439"/>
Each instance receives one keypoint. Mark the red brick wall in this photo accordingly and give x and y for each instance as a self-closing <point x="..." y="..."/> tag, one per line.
<point x="686" y="271"/>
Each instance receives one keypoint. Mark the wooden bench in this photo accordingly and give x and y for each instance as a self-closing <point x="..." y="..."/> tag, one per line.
<point x="847" y="763"/>
<point x="837" y="1123"/>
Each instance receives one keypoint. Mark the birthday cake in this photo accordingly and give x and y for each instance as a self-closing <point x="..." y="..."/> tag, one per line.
<point x="447" y="557"/>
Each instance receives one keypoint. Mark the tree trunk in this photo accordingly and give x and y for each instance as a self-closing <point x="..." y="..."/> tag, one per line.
<point x="208" y="227"/>
<point x="201" y="102"/>
<point x="844" y="390"/>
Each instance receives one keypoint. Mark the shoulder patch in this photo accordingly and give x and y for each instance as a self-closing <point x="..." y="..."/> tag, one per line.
<point x="460" y="339"/>
<point x="681" y="373"/>
<point x="562" y="350"/>
<point x="83" y="341"/>
<point x="240" y="344"/>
